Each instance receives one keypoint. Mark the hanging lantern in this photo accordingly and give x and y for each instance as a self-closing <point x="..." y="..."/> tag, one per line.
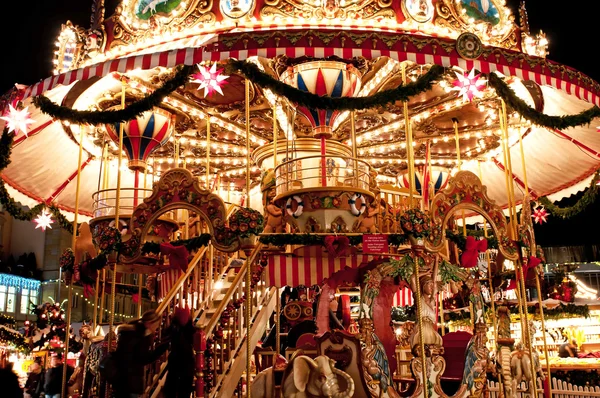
<point x="142" y="135"/>
<point x="437" y="180"/>
<point x="323" y="78"/>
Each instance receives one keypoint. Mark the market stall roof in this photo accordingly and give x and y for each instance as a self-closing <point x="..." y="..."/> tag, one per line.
<point x="559" y="162"/>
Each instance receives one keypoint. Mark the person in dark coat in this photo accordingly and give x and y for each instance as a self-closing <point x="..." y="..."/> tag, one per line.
<point x="134" y="351"/>
<point x="9" y="383"/>
<point x="181" y="361"/>
<point x="34" y="383"/>
<point x="54" y="375"/>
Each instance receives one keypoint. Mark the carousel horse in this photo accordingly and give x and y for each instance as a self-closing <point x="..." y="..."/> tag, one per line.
<point x="476" y="362"/>
<point x="520" y="365"/>
<point x="376" y="368"/>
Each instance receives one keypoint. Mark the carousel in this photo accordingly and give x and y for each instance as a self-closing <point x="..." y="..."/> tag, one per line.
<point x="282" y="171"/>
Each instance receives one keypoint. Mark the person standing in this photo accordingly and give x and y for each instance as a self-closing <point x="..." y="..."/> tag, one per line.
<point x="34" y="383"/>
<point x="53" y="378"/>
<point x="134" y="351"/>
<point x="181" y="362"/>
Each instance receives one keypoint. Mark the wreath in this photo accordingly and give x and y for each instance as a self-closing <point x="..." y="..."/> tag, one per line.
<point x="67" y="260"/>
<point x="109" y="240"/>
<point x="416" y="223"/>
<point x="245" y="222"/>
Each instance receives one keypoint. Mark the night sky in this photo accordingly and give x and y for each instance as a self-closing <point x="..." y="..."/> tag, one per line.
<point x="31" y="28"/>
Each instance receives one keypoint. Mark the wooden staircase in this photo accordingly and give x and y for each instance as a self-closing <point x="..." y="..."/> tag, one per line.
<point x="218" y="310"/>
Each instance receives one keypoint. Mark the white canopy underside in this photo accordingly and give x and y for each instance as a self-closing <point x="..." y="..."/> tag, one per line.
<point x="558" y="164"/>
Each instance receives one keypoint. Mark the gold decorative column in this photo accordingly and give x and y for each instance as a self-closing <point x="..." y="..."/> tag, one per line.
<point x="248" y="265"/>
<point x="73" y="242"/>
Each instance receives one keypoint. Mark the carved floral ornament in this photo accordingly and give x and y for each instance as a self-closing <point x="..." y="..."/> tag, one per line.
<point x="466" y="192"/>
<point x="178" y="189"/>
<point x="141" y="22"/>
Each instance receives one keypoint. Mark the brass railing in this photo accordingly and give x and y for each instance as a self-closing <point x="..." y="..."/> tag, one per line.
<point x="308" y="172"/>
<point x="105" y="201"/>
<point x="227" y="327"/>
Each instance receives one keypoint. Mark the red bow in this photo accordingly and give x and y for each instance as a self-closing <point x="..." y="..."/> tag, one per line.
<point x="337" y="246"/>
<point x="468" y="258"/>
<point x="88" y="291"/>
<point x="178" y="255"/>
<point x="529" y="268"/>
<point x="135" y="298"/>
<point x="532" y="263"/>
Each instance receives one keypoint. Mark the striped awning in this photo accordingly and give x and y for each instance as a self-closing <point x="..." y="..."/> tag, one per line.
<point x="307" y="268"/>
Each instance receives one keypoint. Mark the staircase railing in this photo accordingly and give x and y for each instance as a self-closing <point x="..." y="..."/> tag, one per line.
<point x="225" y="329"/>
<point x="202" y="275"/>
<point x="155" y="372"/>
<point x="223" y="359"/>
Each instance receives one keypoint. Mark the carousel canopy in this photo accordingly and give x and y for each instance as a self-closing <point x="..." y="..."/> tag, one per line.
<point x="141" y="47"/>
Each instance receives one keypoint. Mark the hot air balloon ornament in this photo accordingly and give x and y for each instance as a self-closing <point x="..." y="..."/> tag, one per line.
<point x="323" y="78"/>
<point x="435" y="179"/>
<point x="142" y="135"/>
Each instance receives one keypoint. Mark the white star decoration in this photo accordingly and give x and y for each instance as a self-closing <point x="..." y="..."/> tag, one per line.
<point x="17" y="120"/>
<point x="469" y="85"/>
<point x="43" y="220"/>
<point x="210" y="80"/>
<point x="540" y="215"/>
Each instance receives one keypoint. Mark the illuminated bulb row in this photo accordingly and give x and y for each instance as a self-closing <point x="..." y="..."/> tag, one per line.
<point x="238" y="172"/>
<point x="67" y="35"/>
<point x="386" y="179"/>
<point x="190" y="110"/>
<point x="273" y="100"/>
<point x="161" y="34"/>
<point x="387" y="161"/>
<point x="381" y="148"/>
<point x="89" y="302"/>
<point x="216" y="146"/>
<point x="399" y="123"/>
<point x="217" y="160"/>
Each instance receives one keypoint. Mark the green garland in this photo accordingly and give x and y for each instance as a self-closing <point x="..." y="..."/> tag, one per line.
<point x="116" y="116"/>
<point x="461" y="241"/>
<point x="405" y="267"/>
<point x="539" y="118"/>
<point x="190" y="244"/>
<point x="10" y="205"/>
<point x="587" y="199"/>
<point x="400" y="93"/>
<point x="14" y="339"/>
<point x="319" y="240"/>
<point x="562" y="311"/>
<point x="264" y="80"/>
<point x="450" y="272"/>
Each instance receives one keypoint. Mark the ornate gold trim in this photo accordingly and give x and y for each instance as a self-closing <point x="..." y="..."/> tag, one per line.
<point x="466" y="192"/>
<point x="334" y="149"/>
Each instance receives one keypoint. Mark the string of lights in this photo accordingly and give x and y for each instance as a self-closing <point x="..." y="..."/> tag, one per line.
<point x="89" y="302"/>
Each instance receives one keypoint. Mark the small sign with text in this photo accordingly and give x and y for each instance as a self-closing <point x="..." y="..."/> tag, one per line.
<point x="375" y="244"/>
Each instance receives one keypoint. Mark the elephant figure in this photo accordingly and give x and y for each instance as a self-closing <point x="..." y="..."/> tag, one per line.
<point x="520" y="365"/>
<point x="305" y="377"/>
